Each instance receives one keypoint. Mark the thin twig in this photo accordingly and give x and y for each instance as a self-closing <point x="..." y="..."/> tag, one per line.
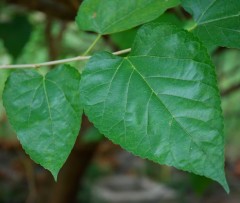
<point x="230" y="90"/>
<point x="57" y="62"/>
<point x="125" y="51"/>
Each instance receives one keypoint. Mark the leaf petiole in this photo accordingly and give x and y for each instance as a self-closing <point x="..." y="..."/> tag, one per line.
<point x="92" y="45"/>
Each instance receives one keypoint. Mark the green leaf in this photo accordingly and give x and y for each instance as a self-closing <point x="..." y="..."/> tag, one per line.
<point x="125" y="39"/>
<point x="170" y="18"/>
<point x="217" y="21"/>
<point x="46" y="113"/>
<point x="161" y="102"/>
<point x="3" y="77"/>
<point x="105" y="17"/>
<point x="15" y="42"/>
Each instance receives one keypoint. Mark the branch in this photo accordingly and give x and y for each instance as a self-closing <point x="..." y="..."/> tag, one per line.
<point x="57" y="62"/>
<point x="230" y="90"/>
<point x="62" y="9"/>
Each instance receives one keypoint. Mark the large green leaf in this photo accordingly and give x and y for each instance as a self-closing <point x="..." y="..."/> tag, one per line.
<point x="161" y="102"/>
<point x="217" y="21"/>
<point x="105" y="17"/>
<point x="46" y="113"/>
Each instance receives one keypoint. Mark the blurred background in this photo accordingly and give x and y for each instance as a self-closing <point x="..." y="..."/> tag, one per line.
<point x="97" y="171"/>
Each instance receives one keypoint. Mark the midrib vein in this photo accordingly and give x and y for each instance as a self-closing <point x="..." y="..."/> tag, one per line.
<point x="48" y="104"/>
<point x="65" y="96"/>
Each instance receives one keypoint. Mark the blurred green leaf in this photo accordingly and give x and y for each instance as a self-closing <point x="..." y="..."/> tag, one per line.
<point x="170" y="18"/>
<point x="15" y="34"/>
<point x="125" y="39"/>
<point x="228" y="67"/>
<point x="92" y="135"/>
<point x="199" y="183"/>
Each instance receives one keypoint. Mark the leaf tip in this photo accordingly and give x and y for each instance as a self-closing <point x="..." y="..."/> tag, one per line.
<point x="225" y="186"/>
<point x="223" y="182"/>
<point x="55" y="175"/>
<point x="54" y="172"/>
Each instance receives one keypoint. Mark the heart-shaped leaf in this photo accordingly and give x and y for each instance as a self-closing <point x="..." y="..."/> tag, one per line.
<point x="161" y="102"/>
<point x="46" y="113"/>
<point x="105" y="17"/>
<point x="217" y="21"/>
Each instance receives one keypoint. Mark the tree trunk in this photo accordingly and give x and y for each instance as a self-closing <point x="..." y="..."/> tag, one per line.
<point x="63" y="9"/>
<point x="65" y="190"/>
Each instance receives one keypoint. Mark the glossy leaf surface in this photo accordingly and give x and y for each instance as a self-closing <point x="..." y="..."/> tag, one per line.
<point x="105" y="17"/>
<point x="45" y="112"/>
<point x="217" y="21"/>
<point x="161" y="102"/>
